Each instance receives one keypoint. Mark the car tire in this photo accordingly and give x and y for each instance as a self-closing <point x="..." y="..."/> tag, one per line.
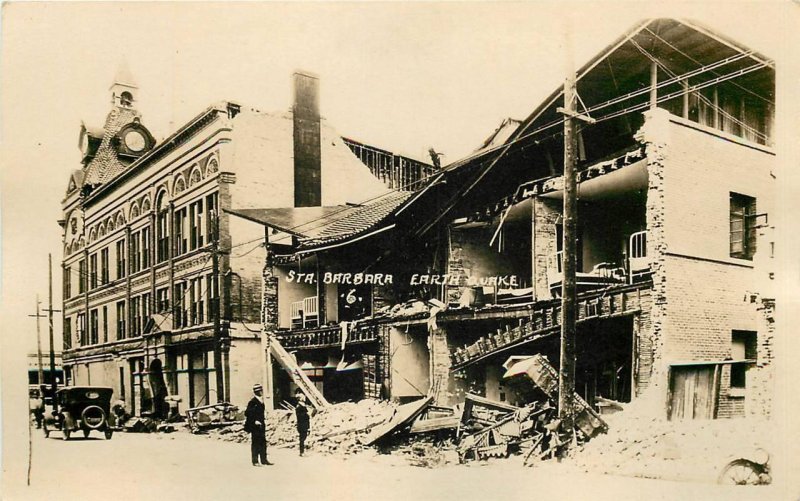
<point x="109" y="433"/>
<point x="93" y="417"/>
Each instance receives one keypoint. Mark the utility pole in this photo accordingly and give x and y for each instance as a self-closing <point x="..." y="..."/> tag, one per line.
<point x="38" y="315"/>
<point x="269" y="309"/>
<point x="566" y="373"/>
<point x="218" y="369"/>
<point x="50" y="310"/>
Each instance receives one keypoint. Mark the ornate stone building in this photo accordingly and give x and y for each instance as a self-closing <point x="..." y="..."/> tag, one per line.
<point x="162" y="288"/>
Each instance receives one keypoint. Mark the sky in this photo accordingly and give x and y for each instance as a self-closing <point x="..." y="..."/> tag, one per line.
<point x="402" y="77"/>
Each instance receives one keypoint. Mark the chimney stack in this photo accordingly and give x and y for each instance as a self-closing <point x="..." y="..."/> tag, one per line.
<point x="307" y="149"/>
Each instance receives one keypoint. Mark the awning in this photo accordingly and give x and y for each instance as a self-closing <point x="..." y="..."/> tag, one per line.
<point x="158" y="322"/>
<point x="296" y="221"/>
<point x="318" y="227"/>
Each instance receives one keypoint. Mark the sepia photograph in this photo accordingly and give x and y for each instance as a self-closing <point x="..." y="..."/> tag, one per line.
<point x="391" y="251"/>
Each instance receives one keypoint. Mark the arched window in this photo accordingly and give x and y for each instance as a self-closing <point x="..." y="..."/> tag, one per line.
<point x="101" y="231"/>
<point x="180" y="185"/>
<point x="134" y="210"/>
<point x="120" y="220"/>
<point x="196" y="176"/>
<point x="110" y="225"/>
<point x="126" y="99"/>
<point x="92" y="235"/>
<point x="162" y="227"/>
<point x="213" y="166"/>
<point x="146" y="205"/>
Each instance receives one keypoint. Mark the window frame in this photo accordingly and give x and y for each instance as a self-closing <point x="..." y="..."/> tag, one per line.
<point x="742" y="226"/>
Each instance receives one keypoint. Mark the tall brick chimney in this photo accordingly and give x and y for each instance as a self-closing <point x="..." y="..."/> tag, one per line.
<point x="307" y="153"/>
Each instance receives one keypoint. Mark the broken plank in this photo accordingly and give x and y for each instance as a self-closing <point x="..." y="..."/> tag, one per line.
<point x="442" y="423"/>
<point x="402" y="416"/>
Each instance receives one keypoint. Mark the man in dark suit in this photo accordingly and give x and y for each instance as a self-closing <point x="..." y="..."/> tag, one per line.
<point x="303" y="420"/>
<point x="254" y="424"/>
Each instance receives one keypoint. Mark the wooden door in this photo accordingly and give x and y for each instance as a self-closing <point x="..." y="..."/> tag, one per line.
<point x="693" y="392"/>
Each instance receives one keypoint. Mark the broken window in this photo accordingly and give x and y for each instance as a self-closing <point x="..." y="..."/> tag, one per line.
<point x="742" y="226"/>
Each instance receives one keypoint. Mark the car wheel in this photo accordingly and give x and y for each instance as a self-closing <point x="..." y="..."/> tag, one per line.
<point x="67" y="433"/>
<point x="85" y="433"/>
<point x="108" y="434"/>
<point x="741" y="472"/>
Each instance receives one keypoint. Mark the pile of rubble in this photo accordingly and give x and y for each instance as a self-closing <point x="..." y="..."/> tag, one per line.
<point x="339" y="428"/>
<point x="645" y="447"/>
<point x="429" y="435"/>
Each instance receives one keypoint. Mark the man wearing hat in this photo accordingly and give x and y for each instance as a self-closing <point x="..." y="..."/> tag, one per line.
<point x="254" y="424"/>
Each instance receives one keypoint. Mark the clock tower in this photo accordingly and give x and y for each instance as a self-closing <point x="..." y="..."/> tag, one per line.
<point x="124" y="89"/>
<point x="108" y="151"/>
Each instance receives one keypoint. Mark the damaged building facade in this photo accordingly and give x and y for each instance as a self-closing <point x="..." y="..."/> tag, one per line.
<point x="438" y="289"/>
<point x="162" y="287"/>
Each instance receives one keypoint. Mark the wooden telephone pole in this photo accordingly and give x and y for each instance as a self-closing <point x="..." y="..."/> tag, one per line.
<point x="50" y="311"/>
<point x="566" y="373"/>
<point x="38" y="315"/>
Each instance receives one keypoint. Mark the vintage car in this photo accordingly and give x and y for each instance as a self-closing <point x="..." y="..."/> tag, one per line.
<point x="84" y="408"/>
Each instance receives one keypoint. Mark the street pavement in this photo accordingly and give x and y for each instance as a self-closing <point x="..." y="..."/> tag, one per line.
<point x="181" y="466"/>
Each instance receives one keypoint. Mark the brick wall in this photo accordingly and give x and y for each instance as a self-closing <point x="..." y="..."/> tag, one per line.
<point x="700" y="293"/>
<point x="643" y="342"/>
<point x="545" y="214"/>
<point x="761" y="377"/>
<point x="471" y="257"/>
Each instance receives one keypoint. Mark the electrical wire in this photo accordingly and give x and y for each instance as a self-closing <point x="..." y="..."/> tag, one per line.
<point x="699" y="95"/>
<point x="749" y="53"/>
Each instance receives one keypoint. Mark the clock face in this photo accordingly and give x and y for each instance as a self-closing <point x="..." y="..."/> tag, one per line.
<point x="84" y="143"/>
<point x="135" y="141"/>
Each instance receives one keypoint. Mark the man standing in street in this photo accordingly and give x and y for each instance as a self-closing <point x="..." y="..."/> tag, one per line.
<point x="303" y="420"/>
<point x="255" y="425"/>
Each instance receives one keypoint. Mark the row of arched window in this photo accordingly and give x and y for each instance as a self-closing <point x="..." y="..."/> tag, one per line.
<point x="143" y="205"/>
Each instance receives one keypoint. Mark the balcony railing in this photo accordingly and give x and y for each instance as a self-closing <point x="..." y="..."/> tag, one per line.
<point x="324" y="337"/>
<point x="546" y="320"/>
